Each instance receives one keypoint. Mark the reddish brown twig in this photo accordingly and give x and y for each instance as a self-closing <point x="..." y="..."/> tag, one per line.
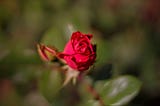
<point x="95" y="94"/>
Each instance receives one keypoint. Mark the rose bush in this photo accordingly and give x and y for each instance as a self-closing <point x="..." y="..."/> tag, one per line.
<point x="79" y="53"/>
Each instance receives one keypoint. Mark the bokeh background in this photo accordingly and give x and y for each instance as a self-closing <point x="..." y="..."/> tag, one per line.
<point x="127" y="34"/>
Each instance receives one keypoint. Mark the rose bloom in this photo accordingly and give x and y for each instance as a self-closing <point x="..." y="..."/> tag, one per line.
<point x="79" y="53"/>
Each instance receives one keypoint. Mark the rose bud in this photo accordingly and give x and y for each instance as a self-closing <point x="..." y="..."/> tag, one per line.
<point x="47" y="53"/>
<point x="79" y="53"/>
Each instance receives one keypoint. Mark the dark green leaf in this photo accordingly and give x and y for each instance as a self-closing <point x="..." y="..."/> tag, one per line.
<point x="50" y="83"/>
<point x="119" y="91"/>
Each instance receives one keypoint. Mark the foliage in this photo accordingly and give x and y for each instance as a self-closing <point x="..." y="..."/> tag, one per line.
<point x="127" y="36"/>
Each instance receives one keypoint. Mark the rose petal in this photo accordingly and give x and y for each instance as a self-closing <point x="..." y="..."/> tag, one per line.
<point x="78" y="37"/>
<point x="81" y="58"/>
<point x="89" y="36"/>
<point x="68" y="49"/>
<point x="70" y="60"/>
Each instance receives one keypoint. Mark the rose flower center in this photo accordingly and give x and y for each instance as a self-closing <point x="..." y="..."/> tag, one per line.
<point x="82" y="47"/>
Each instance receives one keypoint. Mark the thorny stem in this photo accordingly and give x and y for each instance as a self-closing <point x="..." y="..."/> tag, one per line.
<point x="95" y="94"/>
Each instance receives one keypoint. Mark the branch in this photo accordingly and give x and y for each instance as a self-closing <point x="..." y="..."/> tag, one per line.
<point x="95" y="94"/>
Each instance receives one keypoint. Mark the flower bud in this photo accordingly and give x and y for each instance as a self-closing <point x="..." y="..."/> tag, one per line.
<point x="46" y="53"/>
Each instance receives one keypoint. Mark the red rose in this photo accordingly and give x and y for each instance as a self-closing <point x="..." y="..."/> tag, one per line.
<point x="79" y="53"/>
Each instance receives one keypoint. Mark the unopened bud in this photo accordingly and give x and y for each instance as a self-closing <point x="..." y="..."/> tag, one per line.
<point x="46" y="53"/>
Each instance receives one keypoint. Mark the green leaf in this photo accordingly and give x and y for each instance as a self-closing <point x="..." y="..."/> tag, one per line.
<point x="119" y="91"/>
<point x="103" y="51"/>
<point x="54" y="37"/>
<point x="50" y="83"/>
<point x="90" y="103"/>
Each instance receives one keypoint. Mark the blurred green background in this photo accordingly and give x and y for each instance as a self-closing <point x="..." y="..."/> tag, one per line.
<point x="127" y="34"/>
